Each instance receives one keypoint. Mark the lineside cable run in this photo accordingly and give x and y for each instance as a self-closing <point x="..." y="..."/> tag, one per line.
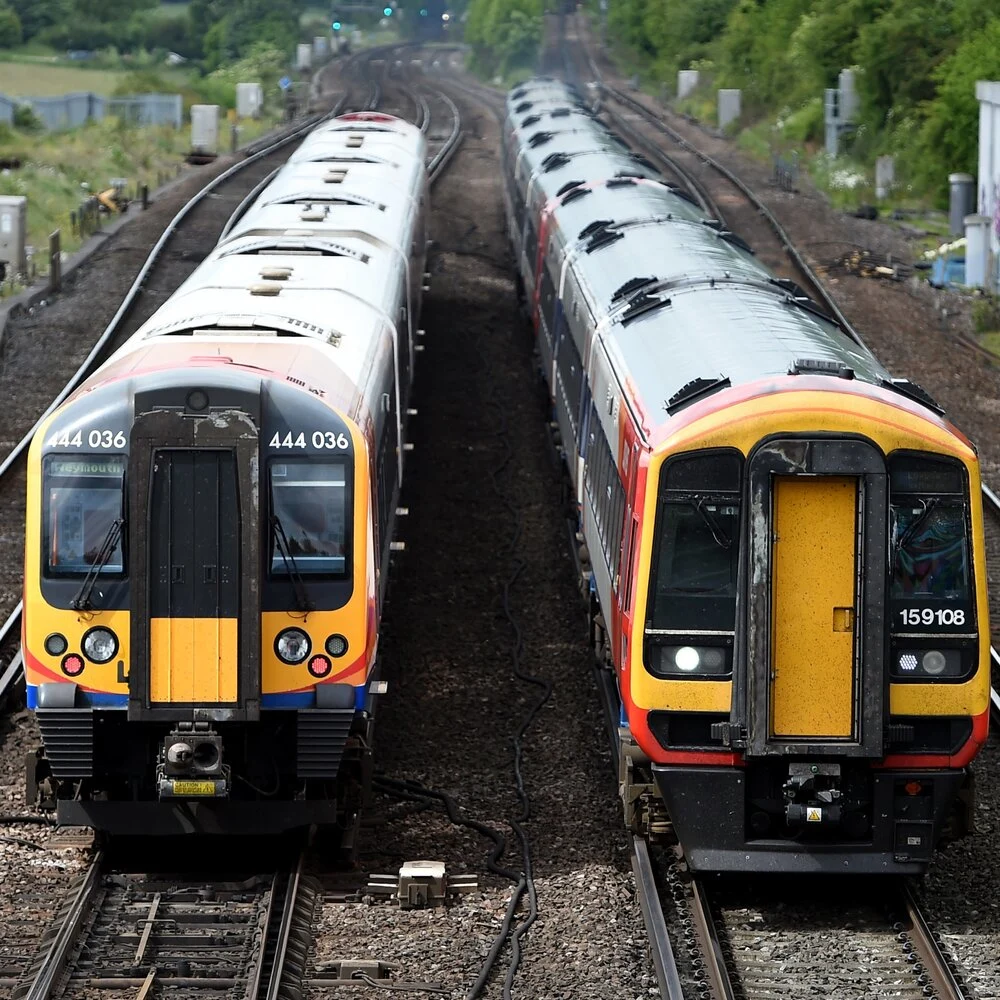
<point x="517" y="566"/>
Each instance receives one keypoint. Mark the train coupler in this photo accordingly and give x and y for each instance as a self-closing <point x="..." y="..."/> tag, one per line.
<point x="813" y="795"/>
<point x="190" y="764"/>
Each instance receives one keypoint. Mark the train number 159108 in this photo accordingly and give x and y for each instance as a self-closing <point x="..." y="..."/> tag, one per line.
<point x="932" y="616"/>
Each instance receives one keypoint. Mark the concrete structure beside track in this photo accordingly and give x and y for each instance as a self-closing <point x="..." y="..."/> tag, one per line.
<point x="988" y="95"/>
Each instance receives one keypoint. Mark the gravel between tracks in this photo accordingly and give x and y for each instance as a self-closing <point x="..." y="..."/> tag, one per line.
<point x="453" y="703"/>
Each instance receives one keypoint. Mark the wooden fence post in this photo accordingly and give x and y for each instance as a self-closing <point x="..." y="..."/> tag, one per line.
<point x="55" y="262"/>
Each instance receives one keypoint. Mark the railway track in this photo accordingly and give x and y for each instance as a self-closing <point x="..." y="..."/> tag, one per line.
<point x="144" y="297"/>
<point x="236" y="936"/>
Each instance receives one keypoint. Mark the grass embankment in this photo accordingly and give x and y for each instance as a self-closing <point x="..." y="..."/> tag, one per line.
<point x="43" y="78"/>
<point x="55" y="166"/>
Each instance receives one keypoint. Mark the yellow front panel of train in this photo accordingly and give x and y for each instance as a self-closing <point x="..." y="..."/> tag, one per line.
<point x="193" y="660"/>
<point x="813" y="561"/>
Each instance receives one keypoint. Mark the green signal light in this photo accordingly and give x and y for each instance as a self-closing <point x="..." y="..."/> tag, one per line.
<point x="423" y="11"/>
<point x="387" y="11"/>
<point x="336" y="25"/>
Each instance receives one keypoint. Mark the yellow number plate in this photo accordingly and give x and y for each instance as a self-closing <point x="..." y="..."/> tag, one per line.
<point x="194" y="788"/>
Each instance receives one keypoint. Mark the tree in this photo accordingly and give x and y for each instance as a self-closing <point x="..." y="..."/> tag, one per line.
<point x="37" y="15"/>
<point x="10" y="27"/>
<point x="950" y="129"/>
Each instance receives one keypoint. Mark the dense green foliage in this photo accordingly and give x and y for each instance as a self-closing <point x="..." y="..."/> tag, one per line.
<point x="916" y="60"/>
<point x="504" y="34"/>
<point x="214" y="31"/>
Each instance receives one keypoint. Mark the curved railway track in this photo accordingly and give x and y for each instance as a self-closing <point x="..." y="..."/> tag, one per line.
<point x="123" y="323"/>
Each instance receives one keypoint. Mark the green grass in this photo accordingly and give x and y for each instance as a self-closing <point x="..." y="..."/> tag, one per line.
<point x="991" y="341"/>
<point x="39" y="79"/>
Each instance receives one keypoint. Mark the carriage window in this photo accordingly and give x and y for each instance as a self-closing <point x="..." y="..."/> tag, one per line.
<point x="83" y="503"/>
<point x="309" y="506"/>
<point x="931" y="554"/>
<point x="696" y="555"/>
<point x="929" y="514"/>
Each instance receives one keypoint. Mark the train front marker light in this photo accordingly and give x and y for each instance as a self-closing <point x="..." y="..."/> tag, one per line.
<point x="336" y="645"/>
<point x="72" y="665"/>
<point x="56" y="644"/>
<point x="320" y="666"/>
<point x="292" y="646"/>
<point x="100" y="645"/>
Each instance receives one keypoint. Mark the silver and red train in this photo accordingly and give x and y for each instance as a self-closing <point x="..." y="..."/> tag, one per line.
<point x="785" y="544"/>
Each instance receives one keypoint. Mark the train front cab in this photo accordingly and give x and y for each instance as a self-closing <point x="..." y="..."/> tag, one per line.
<point x="808" y="703"/>
<point x="227" y="554"/>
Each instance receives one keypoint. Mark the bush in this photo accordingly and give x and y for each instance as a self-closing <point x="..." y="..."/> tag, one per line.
<point x="986" y="314"/>
<point x="26" y="119"/>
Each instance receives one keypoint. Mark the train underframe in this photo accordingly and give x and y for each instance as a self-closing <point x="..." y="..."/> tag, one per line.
<point x="290" y="769"/>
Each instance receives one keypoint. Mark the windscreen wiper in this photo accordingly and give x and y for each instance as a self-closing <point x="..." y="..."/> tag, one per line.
<point x="82" y="600"/>
<point x="915" y="525"/>
<point x="302" y="598"/>
<point x="721" y="538"/>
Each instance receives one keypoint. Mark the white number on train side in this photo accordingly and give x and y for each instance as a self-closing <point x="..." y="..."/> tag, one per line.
<point x="96" y="438"/>
<point x="931" y="616"/>
<point x="325" y="440"/>
<point x="63" y="440"/>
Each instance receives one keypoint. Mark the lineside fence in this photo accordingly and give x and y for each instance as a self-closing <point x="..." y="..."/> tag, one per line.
<point x="74" y="110"/>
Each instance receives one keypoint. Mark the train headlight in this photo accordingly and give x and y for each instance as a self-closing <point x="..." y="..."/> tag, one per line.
<point x="292" y="645"/>
<point x="934" y="662"/>
<point x="336" y="645"/>
<point x="100" y="644"/>
<point x="689" y="661"/>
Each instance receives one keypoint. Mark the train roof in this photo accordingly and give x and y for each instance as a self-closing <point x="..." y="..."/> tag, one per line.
<point x="356" y="145"/>
<point x="617" y="199"/>
<point x="290" y="222"/>
<point x="680" y="300"/>
<point x="540" y="89"/>
<point x="388" y="186"/>
<point x="326" y="299"/>
<point x="552" y="175"/>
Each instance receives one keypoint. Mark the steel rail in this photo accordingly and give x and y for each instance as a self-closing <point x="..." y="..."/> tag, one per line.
<point x="284" y="931"/>
<point x="57" y="957"/>
<point x="439" y="162"/>
<point x="695" y="187"/>
<point x="667" y="976"/>
<point x="711" y="946"/>
<point x="935" y="962"/>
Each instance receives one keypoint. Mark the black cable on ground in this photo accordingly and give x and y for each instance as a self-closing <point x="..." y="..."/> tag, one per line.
<point x="517" y="648"/>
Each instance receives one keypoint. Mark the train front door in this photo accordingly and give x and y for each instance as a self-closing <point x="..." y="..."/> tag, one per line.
<point x="194" y="577"/>
<point x="813" y="607"/>
<point x="809" y="678"/>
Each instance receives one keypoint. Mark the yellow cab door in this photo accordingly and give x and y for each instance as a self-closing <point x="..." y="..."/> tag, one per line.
<point x="814" y="572"/>
<point x="194" y="577"/>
